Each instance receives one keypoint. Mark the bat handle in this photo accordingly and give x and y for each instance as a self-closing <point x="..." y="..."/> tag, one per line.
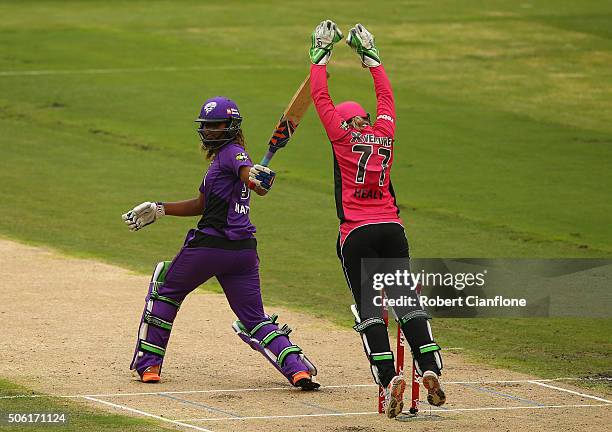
<point x="266" y="159"/>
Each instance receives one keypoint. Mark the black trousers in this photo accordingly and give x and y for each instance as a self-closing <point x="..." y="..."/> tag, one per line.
<point x="385" y="240"/>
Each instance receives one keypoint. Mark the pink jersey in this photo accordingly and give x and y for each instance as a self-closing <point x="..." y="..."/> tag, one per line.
<point x="362" y="159"/>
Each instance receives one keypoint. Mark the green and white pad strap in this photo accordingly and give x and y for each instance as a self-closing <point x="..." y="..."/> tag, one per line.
<point x="271" y="320"/>
<point x="428" y="348"/>
<point x="381" y="357"/>
<point x="153" y="320"/>
<point x="363" y="325"/>
<point x="153" y="349"/>
<point x="285" y="330"/>
<point x="419" y="313"/>
<point x="158" y="279"/>
<point x="294" y="349"/>
<point x="282" y="356"/>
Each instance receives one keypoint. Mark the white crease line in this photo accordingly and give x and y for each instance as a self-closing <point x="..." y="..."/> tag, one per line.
<point x="284" y="416"/>
<point x="286" y="388"/>
<point x="127" y="70"/>
<point x="375" y="412"/>
<point x="572" y="392"/>
<point x="176" y="422"/>
<point x="521" y="407"/>
<point x="527" y="381"/>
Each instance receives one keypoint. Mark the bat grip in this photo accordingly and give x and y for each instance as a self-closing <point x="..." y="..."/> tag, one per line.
<point x="269" y="155"/>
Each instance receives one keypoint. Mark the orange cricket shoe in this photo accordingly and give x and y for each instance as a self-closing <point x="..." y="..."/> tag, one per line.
<point x="151" y="374"/>
<point x="304" y="380"/>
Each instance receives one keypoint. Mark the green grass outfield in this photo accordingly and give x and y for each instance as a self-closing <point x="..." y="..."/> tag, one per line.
<point x="503" y="139"/>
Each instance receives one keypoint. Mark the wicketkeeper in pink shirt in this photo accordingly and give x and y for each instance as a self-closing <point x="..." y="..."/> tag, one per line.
<point x="370" y="226"/>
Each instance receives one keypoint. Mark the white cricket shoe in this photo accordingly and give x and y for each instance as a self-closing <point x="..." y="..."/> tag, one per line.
<point x="435" y="394"/>
<point x="394" y="396"/>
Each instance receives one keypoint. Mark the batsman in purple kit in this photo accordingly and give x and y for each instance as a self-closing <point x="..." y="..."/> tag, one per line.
<point x="223" y="245"/>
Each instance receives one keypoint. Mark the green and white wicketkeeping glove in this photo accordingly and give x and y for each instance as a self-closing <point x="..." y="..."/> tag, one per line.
<point x="362" y="41"/>
<point x="323" y="39"/>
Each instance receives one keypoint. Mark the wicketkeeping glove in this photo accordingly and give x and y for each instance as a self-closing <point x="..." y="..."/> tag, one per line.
<point x="323" y="39"/>
<point x="362" y="41"/>
<point x="143" y="215"/>
<point x="261" y="177"/>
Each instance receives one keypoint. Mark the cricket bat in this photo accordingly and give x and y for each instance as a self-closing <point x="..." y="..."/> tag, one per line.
<point x="289" y="121"/>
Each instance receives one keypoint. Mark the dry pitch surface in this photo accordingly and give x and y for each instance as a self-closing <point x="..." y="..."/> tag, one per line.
<point x="72" y="328"/>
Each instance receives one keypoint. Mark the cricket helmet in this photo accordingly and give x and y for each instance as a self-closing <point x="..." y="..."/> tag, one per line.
<point x="350" y="109"/>
<point x="216" y="110"/>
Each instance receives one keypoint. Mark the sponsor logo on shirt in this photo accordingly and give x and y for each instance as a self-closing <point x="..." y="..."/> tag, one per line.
<point x="344" y="125"/>
<point x="241" y="156"/>
<point x="385" y="117"/>
<point x="358" y="137"/>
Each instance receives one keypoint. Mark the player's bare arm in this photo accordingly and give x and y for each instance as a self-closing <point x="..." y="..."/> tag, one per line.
<point x="148" y="212"/>
<point x="191" y="207"/>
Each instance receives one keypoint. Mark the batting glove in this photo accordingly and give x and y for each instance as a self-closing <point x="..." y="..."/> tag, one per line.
<point x="362" y="41"/>
<point x="323" y="39"/>
<point x="143" y="215"/>
<point x="261" y="177"/>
